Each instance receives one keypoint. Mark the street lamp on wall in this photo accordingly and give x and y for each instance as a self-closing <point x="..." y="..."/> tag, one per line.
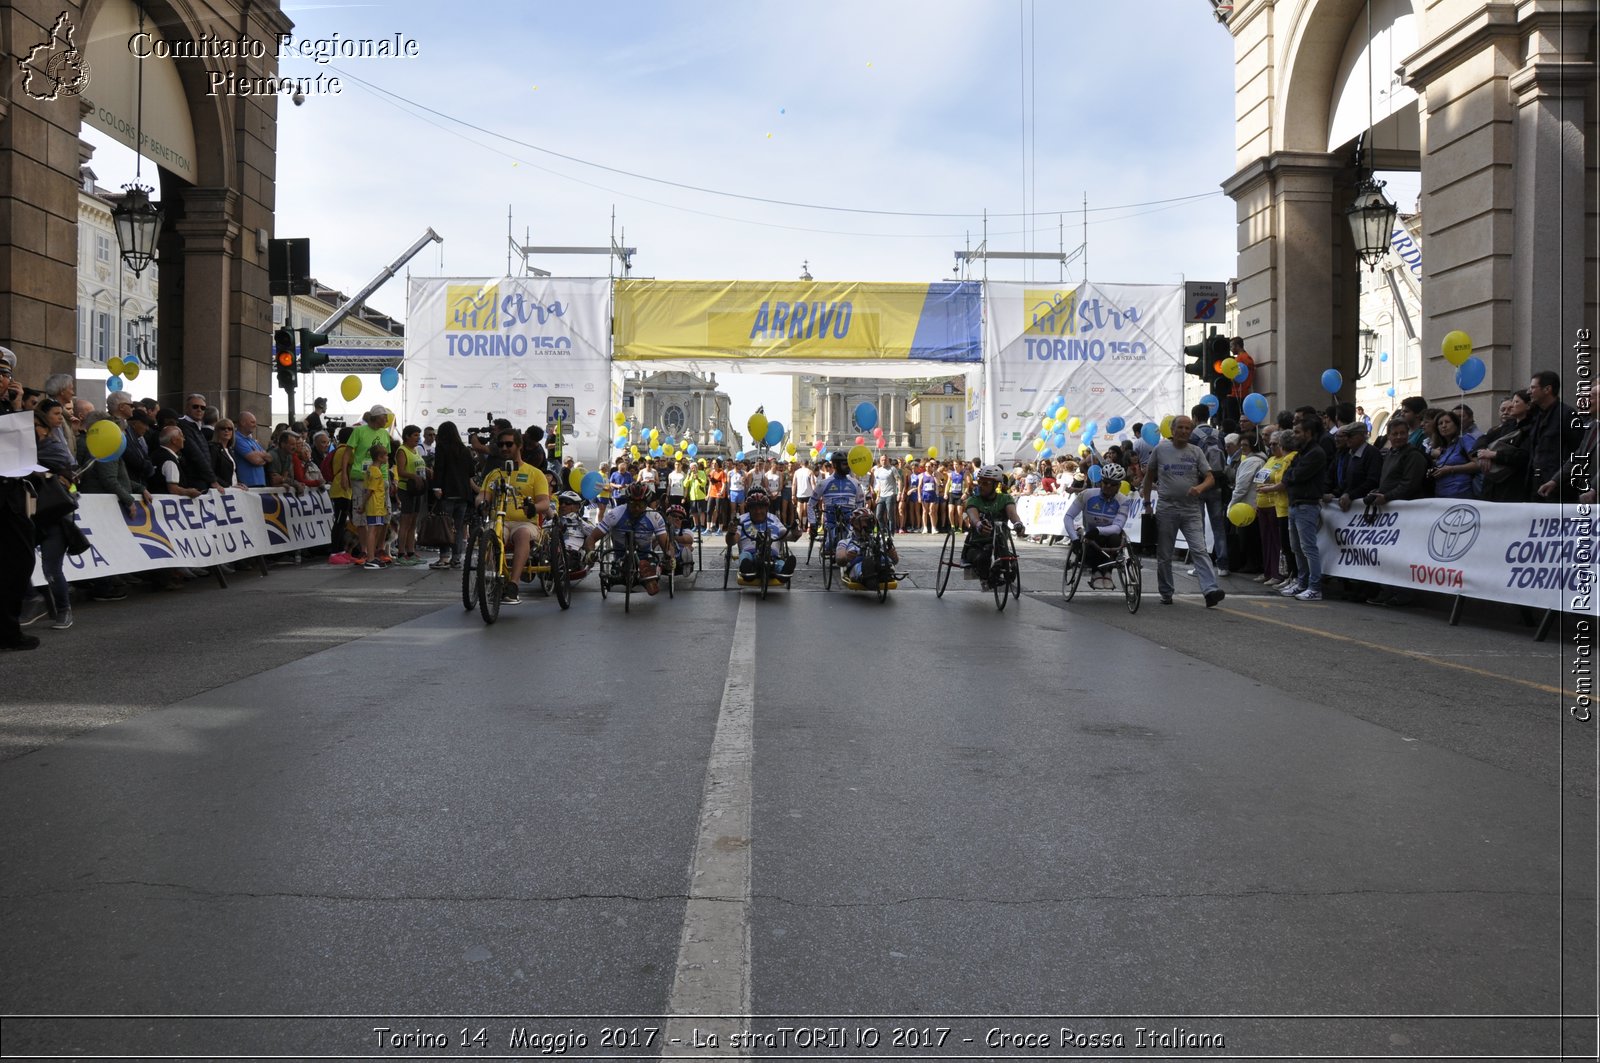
<point x="1369" y="347"/>
<point x="1371" y="215"/>
<point x="138" y="221"/>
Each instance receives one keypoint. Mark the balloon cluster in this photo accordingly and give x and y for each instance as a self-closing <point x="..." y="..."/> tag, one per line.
<point x="119" y="368"/>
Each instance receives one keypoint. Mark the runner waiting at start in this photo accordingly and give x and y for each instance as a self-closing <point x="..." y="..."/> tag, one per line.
<point x="757" y="515"/>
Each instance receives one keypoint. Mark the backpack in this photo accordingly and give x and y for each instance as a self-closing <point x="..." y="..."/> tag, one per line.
<point x="1210" y="444"/>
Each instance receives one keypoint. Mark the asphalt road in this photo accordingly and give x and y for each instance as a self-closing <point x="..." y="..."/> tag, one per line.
<point x="1300" y="828"/>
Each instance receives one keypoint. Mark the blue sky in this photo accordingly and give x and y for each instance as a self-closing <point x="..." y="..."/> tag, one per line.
<point x="877" y="105"/>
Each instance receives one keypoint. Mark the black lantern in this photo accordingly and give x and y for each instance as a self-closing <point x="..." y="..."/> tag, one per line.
<point x="138" y="223"/>
<point x="1371" y="221"/>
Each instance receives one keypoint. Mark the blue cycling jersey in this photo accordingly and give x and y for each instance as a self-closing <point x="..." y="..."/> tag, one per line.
<point x="617" y="524"/>
<point x="838" y="497"/>
<point x="1106" y="515"/>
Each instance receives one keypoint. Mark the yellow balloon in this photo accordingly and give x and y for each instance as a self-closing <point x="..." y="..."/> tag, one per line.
<point x="1241" y="514"/>
<point x="390" y="422"/>
<point x="860" y="459"/>
<point x="575" y="478"/>
<point x="350" y="387"/>
<point x="655" y="435"/>
<point x="1457" y="347"/>
<point x="114" y="366"/>
<point x="1074" y="426"/>
<point x="791" y="450"/>
<point x="1230" y="367"/>
<point x="104" y="439"/>
<point x="680" y="455"/>
<point x="1166" y="427"/>
<point x="130" y="370"/>
<point x="758" y="427"/>
<point x="620" y="419"/>
<point x="933" y="452"/>
<point x="1125" y="489"/>
<point x="1049" y="423"/>
<point x="633" y="452"/>
<point x="1038" y="444"/>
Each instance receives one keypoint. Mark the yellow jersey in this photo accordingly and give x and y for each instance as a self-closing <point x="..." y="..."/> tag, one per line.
<point x="527" y="483"/>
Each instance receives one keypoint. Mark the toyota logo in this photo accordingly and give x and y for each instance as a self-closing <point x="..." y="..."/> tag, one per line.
<point x="1453" y="534"/>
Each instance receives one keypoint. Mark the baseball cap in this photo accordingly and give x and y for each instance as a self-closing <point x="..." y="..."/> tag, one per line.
<point x="1352" y="428"/>
<point x="378" y="411"/>
<point x="8" y="358"/>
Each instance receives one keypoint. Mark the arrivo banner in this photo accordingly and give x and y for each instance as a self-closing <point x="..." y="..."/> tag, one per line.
<point x="1542" y="556"/>
<point x="212" y="529"/>
<point x="512" y="347"/>
<point x="804" y="321"/>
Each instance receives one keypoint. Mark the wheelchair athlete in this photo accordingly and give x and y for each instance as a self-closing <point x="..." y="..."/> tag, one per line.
<point x="575" y="531"/>
<point x="985" y="504"/>
<point x="851" y="546"/>
<point x="678" y="530"/>
<point x="528" y="501"/>
<point x="757" y="505"/>
<point x="1104" y="513"/>
<point x="649" y="532"/>
<point x="836" y="498"/>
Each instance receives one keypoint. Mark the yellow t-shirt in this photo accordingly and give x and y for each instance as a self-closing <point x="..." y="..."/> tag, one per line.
<point x="526" y="482"/>
<point x="408" y="465"/>
<point x="339" y="487"/>
<point x="1278" y="500"/>
<point x="376" y="481"/>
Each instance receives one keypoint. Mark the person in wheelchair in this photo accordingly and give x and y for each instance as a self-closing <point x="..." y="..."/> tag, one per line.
<point x="682" y="536"/>
<point x="1104" y="513"/>
<point x="528" y="501"/>
<point x="835" y="498"/>
<point x="852" y="545"/>
<point x="649" y="530"/>
<point x="758" y="514"/>
<point x="575" y="531"/>
<point x="985" y="504"/>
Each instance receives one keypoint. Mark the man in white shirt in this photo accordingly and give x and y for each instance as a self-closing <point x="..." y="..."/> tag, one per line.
<point x="886" y="494"/>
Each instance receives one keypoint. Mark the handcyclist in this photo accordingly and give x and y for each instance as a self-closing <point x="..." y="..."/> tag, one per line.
<point x="986" y="503"/>
<point x="758" y="515"/>
<point x="679" y="531"/>
<point x="575" y="531"/>
<point x="648" y="528"/>
<point x="1104" y="514"/>
<point x="527" y="501"/>
<point x="836" y="498"/>
<point x="852" y="545"/>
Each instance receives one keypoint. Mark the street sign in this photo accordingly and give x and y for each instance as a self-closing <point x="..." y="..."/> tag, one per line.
<point x="1204" y="302"/>
<point x="289" y="266"/>
<point x="559" y="408"/>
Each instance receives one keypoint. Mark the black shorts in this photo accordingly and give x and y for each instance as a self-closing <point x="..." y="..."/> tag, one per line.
<point x="410" y="502"/>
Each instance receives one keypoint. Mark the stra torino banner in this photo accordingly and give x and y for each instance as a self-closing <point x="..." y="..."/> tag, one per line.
<point x="1542" y="556"/>
<point x="521" y="348"/>
<point x="212" y="529"/>
<point x="810" y="321"/>
<point x="1109" y="350"/>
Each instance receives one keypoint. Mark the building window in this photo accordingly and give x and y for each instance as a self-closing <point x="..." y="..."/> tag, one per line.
<point x="102" y="336"/>
<point x="130" y="337"/>
<point x="83" y="331"/>
<point x="102" y="247"/>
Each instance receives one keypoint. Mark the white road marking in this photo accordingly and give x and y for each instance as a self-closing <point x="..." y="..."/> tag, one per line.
<point x="713" y="969"/>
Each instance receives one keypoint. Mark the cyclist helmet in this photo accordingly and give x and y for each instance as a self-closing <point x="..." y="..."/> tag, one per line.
<point x="841" y="462"/>
<point x="570" y="498"/>
<point x="638" y="492"/>
<point x="991" y="472"/>
<point x="758" y="497"/>
<point x="1111" y="472"/>
<point x="677" y="513"/>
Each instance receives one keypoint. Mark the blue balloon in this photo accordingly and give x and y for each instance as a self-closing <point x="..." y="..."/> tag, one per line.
<point x="1091" y="430"/>
<point x="867" y="416"/>
<point x="1095" y="475"/>
<point x="1115" y="425"/>
<point x="389" y="378"/>
<point x="1471" y="373"/>
<point x="1242" y="375"/>
<point x="1384" y="357"/>
<point x="739" y="456"/>
<point x="114" y="384"/>
<point x="775" y="433"/>
<point x="622" y="442"/>
<point x="1151" y="433"/>
<point x="589" y="486"/>
<point x="1059" y="440"/>
<point x="1254" y="407"/>
<point x="1057" y="403"/>
<point x="1210" y="402"/>
<point x="1332" y="381"/>
<point x="1046" y="452"/>
<point x="692" y="449"/>
<point x="657" y="452"/>
<point x="1391" y="393"/>
<point x="716" y="435"/>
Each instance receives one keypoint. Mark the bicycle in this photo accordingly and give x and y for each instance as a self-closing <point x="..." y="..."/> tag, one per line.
<point x="469" y="566"/>
<point x="875" y="560"/>
<point x="1005" y="570"/>
<point x="620" y="565"/>
<point x="547" y="563"/>
<point x="1124" y="564"/>
<point x="949" y="558"/>
<point x="833" y="518"/>
<point x="766" y="565"/>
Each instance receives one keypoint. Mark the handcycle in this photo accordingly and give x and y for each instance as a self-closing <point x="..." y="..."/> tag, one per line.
<point x="546" y="562"/>
<point x="829" y="531"/>
<point x="875" y="560"/>
<point x="619" y="567"/>
<point x="1123" y="564"/>
<point x="766" y="565"/>
<point x="1005" y="571"/>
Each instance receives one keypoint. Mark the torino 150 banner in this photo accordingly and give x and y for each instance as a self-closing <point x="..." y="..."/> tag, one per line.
<point x="1109" y="350"/>
<point x="521" y="348"/>
<point x="799" y="321"/>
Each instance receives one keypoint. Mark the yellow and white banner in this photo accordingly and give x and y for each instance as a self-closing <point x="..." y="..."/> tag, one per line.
<point x="1108" y="350"/>
<point x="811" y="321"/>
<point x="213" y="529"/>
<point x="521" y="348"/>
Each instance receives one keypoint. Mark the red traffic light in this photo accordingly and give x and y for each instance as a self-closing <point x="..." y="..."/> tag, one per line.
<point x="285" y="359"/>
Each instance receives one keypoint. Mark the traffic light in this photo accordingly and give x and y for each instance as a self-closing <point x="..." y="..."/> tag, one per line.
<point x="1197" y="367"/>
<point x="310" y="357"/>
<point x="283" y="356"/>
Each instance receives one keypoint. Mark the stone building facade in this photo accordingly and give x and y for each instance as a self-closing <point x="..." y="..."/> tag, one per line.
<point x="685" y="406"/>
<point x="824" y="408"/>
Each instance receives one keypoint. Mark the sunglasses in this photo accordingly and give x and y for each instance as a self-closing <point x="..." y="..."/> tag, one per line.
<point x="508" y="442"/>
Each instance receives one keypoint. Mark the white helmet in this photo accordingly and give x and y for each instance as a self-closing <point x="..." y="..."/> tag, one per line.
<point x="1113" y="472"/>
<point x="991" y="472"/>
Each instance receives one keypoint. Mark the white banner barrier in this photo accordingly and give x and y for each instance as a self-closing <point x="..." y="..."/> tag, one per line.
<point x="1047" y="515"/>
<point x="215" y="528"/>
<point x="1541" y="556"/>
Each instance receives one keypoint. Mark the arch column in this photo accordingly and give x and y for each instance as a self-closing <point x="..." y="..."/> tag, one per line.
<point x="211" y="362"/>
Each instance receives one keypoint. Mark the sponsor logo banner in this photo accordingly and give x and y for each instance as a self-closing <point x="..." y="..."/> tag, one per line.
<point x="213" y="529"/>
<point x="805" y="321"/>
<point x="1521" y="553"/>
<point x="492" y="341"/>
<point x="1109" y="350"/>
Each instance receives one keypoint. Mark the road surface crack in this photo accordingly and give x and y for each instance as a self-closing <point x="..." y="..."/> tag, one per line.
<point x="196" y="891"/>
